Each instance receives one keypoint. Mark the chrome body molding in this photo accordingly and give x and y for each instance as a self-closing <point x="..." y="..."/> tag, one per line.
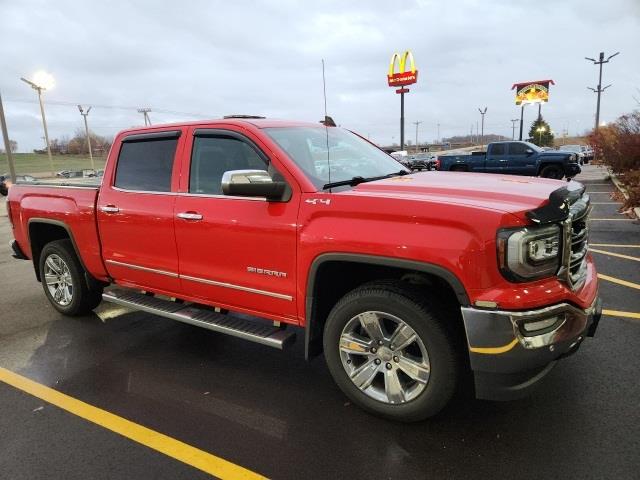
<point x="202" y="280"/>
<point x="188" y="194"/>
<point x="237" y="287"/>
<point x="144" y="269"/>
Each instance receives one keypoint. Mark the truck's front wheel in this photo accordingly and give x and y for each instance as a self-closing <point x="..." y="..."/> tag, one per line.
<point x="64" y="282"/>
<point x="390" y="352"/>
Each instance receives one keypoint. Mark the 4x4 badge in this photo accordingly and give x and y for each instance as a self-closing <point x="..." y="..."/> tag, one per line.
<point x="315" y="201"/>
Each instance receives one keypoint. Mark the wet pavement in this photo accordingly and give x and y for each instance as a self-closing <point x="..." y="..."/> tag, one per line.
<point x="273" y="413"/>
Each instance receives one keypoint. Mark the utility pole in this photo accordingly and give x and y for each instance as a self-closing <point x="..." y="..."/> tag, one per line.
<point x="86" y="129"/>
<point x="599" y="89"/>
<point x="482" y="112"/>
<point x="416" y="124"/>
<point x="438" y="137"/>
<point x="513" y="128"/>
<point x="471" y="134"/>
<point x="7" y="143"/>
<point x="40" y="89"/>
<point x="145" y="112"/>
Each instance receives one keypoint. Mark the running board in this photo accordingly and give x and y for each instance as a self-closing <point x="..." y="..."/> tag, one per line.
<point x="200" y="317"/>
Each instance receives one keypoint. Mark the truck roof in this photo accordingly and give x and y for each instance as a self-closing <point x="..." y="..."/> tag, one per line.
<point x="254" y="122"/>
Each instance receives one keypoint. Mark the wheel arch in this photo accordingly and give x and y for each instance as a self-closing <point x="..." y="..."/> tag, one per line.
<point x="363" y="268"/>
<point x="41" y="231"/>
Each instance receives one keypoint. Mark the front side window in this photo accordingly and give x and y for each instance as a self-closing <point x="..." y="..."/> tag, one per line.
<point x="518" y="148"/>
<point x="146" y="165"/>
<point x="328" y="155"/>
<point x="212" y="156"/>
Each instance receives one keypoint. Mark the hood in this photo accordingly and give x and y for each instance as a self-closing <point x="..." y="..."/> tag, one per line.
<point x="505" y="193"/>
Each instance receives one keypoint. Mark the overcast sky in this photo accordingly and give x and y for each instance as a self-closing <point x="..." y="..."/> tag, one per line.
<point x="204" y="59"/>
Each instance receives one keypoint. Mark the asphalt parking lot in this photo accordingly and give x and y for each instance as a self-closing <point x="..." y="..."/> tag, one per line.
<point x="206" y="396"/>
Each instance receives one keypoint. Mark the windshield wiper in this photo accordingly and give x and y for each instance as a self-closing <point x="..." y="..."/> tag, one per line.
<point x="353" y="181"/>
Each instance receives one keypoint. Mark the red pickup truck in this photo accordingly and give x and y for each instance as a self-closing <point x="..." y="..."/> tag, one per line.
<point x="260" y="228"/>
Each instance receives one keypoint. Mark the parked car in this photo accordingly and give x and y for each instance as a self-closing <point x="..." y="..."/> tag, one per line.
<point x="404" y="280"/>
<point x="5" y="182"/>
<point x="515" y="158"/>
<point x="579" y="150"/>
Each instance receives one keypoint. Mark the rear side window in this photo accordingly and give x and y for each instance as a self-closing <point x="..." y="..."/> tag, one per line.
<point x="146" y="165"/>
<point x="212" y="156"/>
<point x="498" y="149"/>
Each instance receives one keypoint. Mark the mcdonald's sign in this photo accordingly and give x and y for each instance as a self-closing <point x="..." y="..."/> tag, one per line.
<point x="402" y="77"/>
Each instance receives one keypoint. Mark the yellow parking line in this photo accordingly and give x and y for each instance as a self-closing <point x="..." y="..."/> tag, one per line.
<point x="617" y="313"/>
<point x="619" y="255"/>
<point x="613" y="219"/>
<point x="616" y="245"/>
<point x="157" y="441"/>
<point x="618" y="281"/>
<point x="494" y="350"/>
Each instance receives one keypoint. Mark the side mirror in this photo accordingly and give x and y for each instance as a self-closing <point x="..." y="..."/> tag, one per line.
<point x="529" y="151"/>
<point x="252" y="183"/>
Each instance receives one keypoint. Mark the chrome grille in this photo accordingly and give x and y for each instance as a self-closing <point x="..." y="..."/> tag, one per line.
<point x="576" y="243"/>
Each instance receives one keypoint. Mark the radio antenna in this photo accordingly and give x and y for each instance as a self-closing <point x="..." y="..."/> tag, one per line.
<point x="325" y="123"/>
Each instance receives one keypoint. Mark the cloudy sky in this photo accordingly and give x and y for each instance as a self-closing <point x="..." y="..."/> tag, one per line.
<point x="204" y="59"/>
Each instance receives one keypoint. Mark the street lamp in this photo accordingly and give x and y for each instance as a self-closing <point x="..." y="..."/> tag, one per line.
<point x="599" y="89"/>
<point x="43" y="81"/>
<point x="540" y="131"/>
<point x="86" y="129"/>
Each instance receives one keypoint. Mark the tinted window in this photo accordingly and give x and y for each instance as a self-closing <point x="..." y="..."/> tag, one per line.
<point x="517" y="149"/>
<point x="146" y="165"/>
<point x="498" y="149"/>
<point x="212" y="156"/>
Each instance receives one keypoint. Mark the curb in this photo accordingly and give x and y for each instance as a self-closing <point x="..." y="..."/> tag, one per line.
<point x="623" y="191"/>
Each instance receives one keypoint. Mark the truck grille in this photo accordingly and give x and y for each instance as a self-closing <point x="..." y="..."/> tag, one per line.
<point x="576" y="241"/>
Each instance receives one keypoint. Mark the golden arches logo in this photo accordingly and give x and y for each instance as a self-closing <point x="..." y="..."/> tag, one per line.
<point x="403" y="77"/>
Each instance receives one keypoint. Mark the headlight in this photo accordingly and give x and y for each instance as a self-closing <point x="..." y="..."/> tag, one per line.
<point x="529" y="253"/>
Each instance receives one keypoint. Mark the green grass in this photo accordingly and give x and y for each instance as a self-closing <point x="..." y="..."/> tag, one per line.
<point x="34" y="163"/>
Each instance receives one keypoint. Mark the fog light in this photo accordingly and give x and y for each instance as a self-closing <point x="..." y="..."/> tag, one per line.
<point x="541" y="324"/>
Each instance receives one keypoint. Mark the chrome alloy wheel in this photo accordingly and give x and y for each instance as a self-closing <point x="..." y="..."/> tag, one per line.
<point x="58" y="279"/>
<point x="384" y="357"/>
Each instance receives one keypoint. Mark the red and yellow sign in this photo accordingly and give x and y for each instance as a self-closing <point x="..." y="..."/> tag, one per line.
<point x="403" y="77"/>
<point x="532" y="92"/>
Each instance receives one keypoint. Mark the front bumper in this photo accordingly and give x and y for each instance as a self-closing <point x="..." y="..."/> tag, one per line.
<point x="510" y="351"/>
<point x="572" y="169"/>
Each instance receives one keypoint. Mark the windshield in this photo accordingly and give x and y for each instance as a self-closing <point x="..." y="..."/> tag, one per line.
<point x="349" y="155"/>
<point x="534" y="147"/>
<point x="571" y="148"/>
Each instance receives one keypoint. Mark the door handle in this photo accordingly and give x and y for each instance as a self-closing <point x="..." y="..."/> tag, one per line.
<point x="503" y="160"/>
<point x="109" y="209"/>
<point x="189" y="216"/>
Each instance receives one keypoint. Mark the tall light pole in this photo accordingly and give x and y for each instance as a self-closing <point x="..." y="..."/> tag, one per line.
<point x="513" y="128"/>
<point x="599" y="89"/>
<point x="482" y="112"/>
<point x="7" y="143"/>
<point x="416" y="124"/>
<point x="438" y="137"/>
<point x="43" y="81"/>
<point x="145" y="112"/>
<point x="86" y="129"/>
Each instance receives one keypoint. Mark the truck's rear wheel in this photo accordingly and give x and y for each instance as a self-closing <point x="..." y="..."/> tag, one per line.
<point x="390" y="353"/>
<point x="552" y="171"/>
<point x="64" y="282"/>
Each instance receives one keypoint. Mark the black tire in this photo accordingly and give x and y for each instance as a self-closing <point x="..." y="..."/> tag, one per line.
<point x="552" y="171"/>
<point x="421" y="313"/>
<point x="83" y="298"/>
<point x="4" y="191"/>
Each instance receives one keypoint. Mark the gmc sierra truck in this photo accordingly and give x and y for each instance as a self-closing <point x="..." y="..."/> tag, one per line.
<point x="259" y="229"/>
<point x="514" y="158"/>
